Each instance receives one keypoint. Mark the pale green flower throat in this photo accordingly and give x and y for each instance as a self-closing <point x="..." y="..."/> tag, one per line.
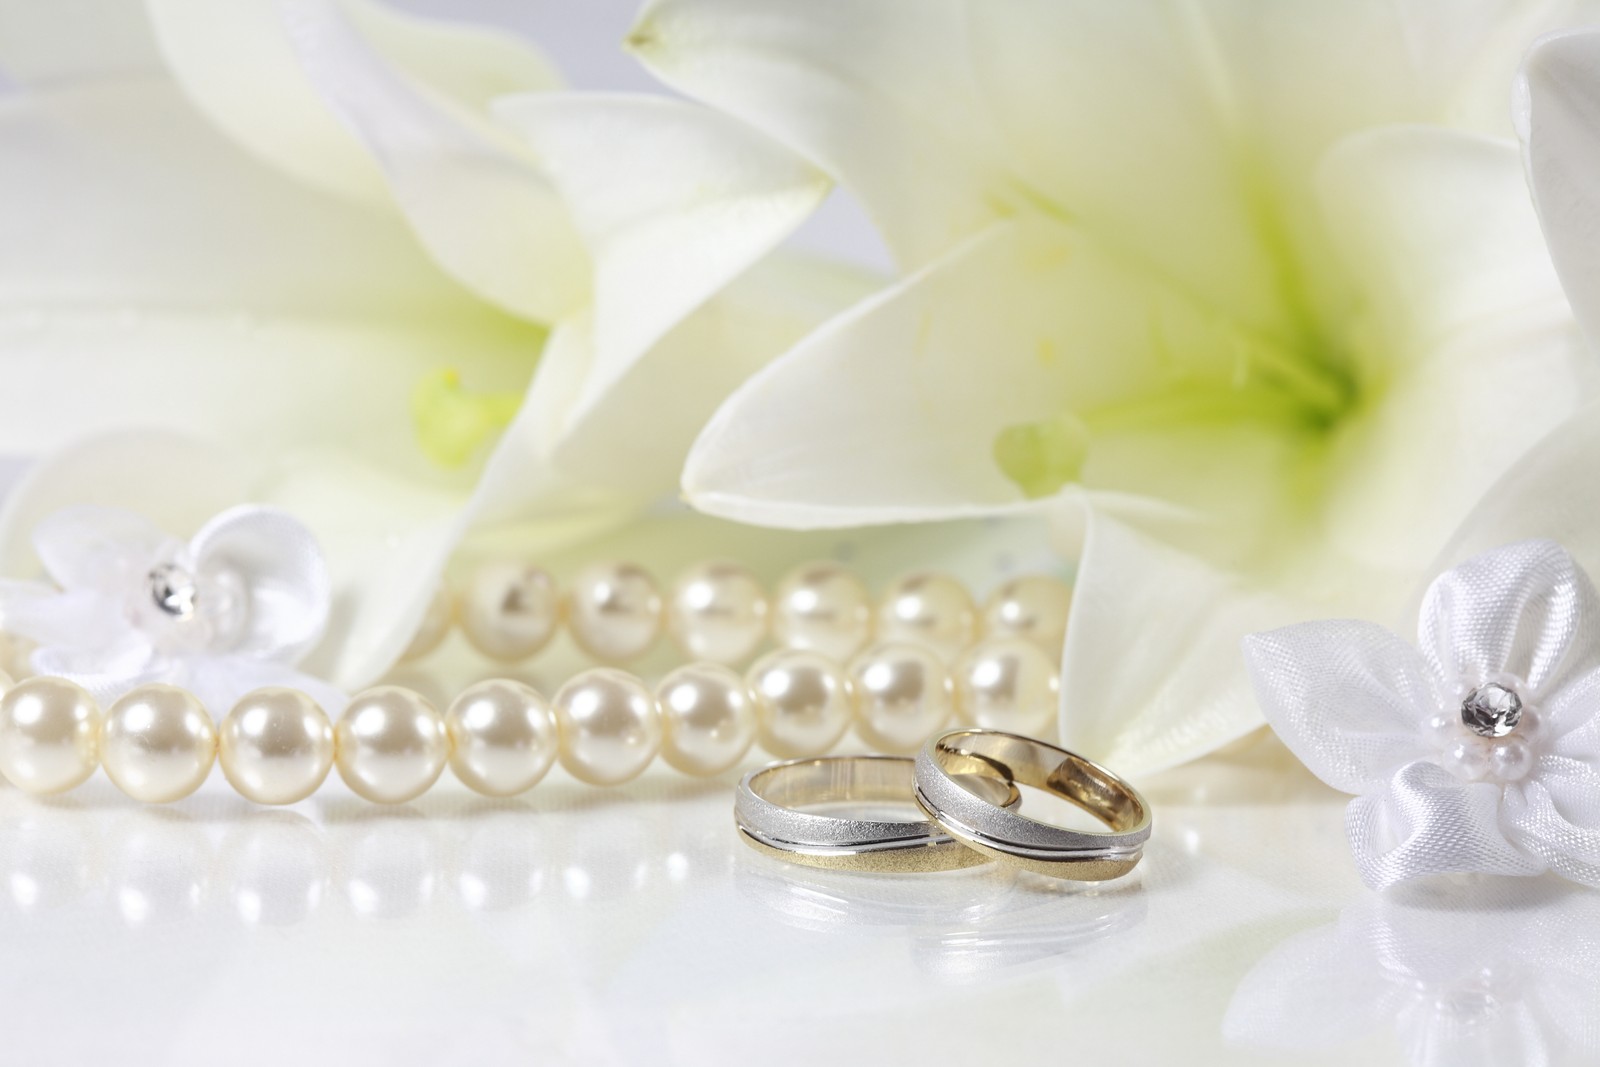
<point x="1306" y="391"/>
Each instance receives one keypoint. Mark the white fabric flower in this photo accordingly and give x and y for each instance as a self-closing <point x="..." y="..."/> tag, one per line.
<point x="1259" y="311"/>
<point x="374" y="269"/>
<point x="233" y="609"/>
<point x="1515" y="628"/>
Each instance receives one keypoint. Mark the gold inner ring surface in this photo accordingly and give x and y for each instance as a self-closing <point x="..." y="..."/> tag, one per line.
<point x="1068" y="775"/>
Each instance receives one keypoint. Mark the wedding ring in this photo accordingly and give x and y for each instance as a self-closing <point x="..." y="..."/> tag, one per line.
<point x="768" y="802"/>
<point x="1001" y="834"/>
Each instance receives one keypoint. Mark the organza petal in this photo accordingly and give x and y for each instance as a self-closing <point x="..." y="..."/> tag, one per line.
<point x="221" y="681"/>
<point x="385" y="536"/>
<point x="1349" y="698"/>
<point x="1427" y="822"/>
<point x="1556" y="94"/>
<point x="106" y="671"/>
<point x="1526" y="609"/>
<point x="382" y="107"/>
<point x="673" y="201"/>
<point x="1554" y="815"/>
<point x="38" y="612"/>
<point x="284" y="576"/>
<point x="103" y="549"/>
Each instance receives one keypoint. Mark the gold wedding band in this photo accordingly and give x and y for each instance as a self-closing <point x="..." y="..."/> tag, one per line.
<point x="1001" y="834"/>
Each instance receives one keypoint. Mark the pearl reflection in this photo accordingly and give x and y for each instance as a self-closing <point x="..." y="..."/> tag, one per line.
<point x="49" y="861"/>
<point x="249" y="867"/>
<point x="160" y="864"/>
<point x="275" y="865"/>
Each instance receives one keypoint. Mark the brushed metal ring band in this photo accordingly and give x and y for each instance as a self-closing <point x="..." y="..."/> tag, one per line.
<point x="1005" y="835"/>
<point x="765" y="809"/>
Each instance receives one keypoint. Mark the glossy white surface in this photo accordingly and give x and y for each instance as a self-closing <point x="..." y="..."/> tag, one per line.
<point x="629" y="926"/>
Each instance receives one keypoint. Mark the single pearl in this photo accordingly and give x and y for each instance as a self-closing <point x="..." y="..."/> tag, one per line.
<point x="1467" y="759"/>
<point x="615" y="611"/>
<point x="1443" y="729"/>
<point x="1510" y="759"/>
<point x="435" y="624"/>
<point x="930" y="609"/>
<point x="708" y="721"/>
<point x="1008" y="683"/>
<point x="610" y="730"/>
<point x="49" y="735"/>
<point x="158" y="743"/>
<point x="822" y="607"/>
<point x="390" y="745"/>
<point x="510" y="610"/>
<point x="718" y="613"/>
<point x="1034" y="606"/>
<point x="275" y="746"/>
<point x="503" y="737"/>
<point x="902" y="695"/>
<point x="801" y="700"/>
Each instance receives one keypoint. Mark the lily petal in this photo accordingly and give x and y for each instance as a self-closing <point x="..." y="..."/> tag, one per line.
<point x="1526" y="609"/>
<point x="1150" y="672"/>
<point x="74" y="41"/>
<point x="673" y="201"/>
<point x="1556" y="96"/>
<point x="884" y="414"/>
<point x="1426" y="822"/>
<point x="887" y="105"/>
<point x="1437" y="227"/>
<point x="633" y="440"/>
<point x="386" y="108"/>
<point x="115" y="197"/>
<point x="1349" y="698"/>
<point x="1554" y="814"/>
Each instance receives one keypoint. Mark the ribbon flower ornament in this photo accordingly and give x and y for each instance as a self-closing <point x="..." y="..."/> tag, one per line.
<point x="232" y="610"/>
<point x="1478" y="752"/>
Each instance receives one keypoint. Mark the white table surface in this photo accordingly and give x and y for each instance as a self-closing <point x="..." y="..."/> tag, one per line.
<point x="630" y="926"/>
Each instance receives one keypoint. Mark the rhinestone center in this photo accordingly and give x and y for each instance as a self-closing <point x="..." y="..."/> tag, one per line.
<point x="173" y="590"/>
<point x="1491" y="710"/>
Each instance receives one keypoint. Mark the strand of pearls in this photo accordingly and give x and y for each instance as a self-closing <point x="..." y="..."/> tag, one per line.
<point x="720" y="613"/>
<point x="276" y="746"/>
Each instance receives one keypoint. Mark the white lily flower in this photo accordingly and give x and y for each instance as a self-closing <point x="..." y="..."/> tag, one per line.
<point x="232" y="610"/>
<point x="1477" y="750"/>
<point x="298" y="240"/>
<point x="1552" y="491"/>
<point x="1255" y="290"/>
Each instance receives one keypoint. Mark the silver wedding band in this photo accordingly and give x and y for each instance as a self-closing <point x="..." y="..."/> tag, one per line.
<point x="766" y="809"/>
<point x="965" y="781"/>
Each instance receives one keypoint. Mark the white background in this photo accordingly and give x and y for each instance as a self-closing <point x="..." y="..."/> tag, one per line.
<point x="629" y="925"/>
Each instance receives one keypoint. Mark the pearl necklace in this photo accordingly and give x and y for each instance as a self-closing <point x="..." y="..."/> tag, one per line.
<point x="719" y="612"/>
<point x="158" y="743"/>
